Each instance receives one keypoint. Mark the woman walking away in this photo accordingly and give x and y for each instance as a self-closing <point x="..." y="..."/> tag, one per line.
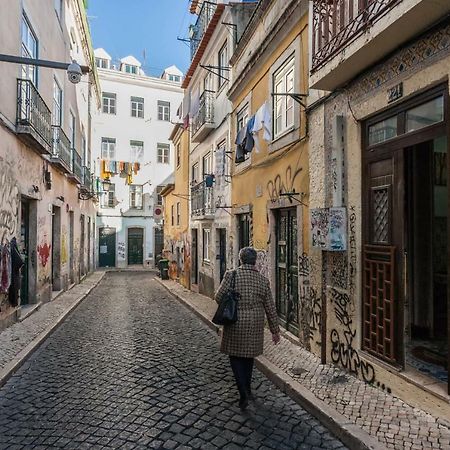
<point x="244" y="339"/>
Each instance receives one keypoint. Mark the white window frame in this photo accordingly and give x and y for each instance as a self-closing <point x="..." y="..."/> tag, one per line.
<point x="102" y="63"/>
<point x="137" y="107"/>
<point x="57" y="111"/>
<point x="207" y="165"/>
<point x="283" y="105"/>
<point x="136" y="151"/>
<point x="223" y="63"/>
<point x="159" y="198"/>
<point x="29" y="45"/>
<point x="163" y="153"/>
<point x="195" y="173"/>
<point x="109" y="102"/>
<point x="163" y="110"/>
<point x="109" y="197"/>
<point x="130" y="68"/>
<point x="206" y="241"/>
<point x="136" y="194"/>
<point x="108" y="148"/>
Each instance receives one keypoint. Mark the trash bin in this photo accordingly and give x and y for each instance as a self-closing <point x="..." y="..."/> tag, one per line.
<point x="164" y="269"/>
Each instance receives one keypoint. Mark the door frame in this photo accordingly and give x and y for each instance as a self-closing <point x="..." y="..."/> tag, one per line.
<point x="128" y="244"/>
<point x="114" y="253"/>
<point x="397" y="146"/>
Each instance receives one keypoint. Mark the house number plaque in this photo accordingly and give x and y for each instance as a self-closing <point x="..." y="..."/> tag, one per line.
<point x="394" y="93"/>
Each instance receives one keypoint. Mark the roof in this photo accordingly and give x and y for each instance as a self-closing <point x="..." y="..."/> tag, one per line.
<point x="168" y="188"/>
<point x="102" y="53"/>
<point x="173" y="70"/>
<point x="131" y="60"/>
<point x="203" y="44"/>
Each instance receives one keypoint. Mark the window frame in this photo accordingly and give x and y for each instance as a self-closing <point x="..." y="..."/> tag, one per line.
<point x="172" y="213"/>
<point x="159" y="198"/>
<point x="109" y="141"/>
<point x="131" y="69"/>
<point x="110" y="106"/>
<point x="136" y="193"/>
<point x="164" y="156"/>
<point x="206" y="255"/>
<point x="135" y="147"/>
<point x="28" y="52"/>
<point x="195" y="171"/>
<point x="108" y="198"/>
<point x="137" y="107"/>
<point x="178" y="213"/>
<point x="285" y="103"/>
<point x="207" y="161"/>
<point x="163" y="110"/>
<point x="58" y="104"/>
<point x="223" y="63"/>
<point x="178" y="154"/>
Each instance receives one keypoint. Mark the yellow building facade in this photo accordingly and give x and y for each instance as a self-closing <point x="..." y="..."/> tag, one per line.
<point x="270" y="185"/>
<point x="176" y="210"/>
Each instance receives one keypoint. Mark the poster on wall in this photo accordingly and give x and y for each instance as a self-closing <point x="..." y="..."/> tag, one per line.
<point x="329" y="229"/>
<point x="319" y="228"/>
<point x="337" y="236"/>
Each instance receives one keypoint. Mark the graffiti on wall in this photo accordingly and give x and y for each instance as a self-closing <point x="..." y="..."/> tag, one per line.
<point x="64" y="254"/>
<point x="121" y="250"/>
<point x="43" y="251"/>
<point x="9" y="202"/>
<point x="352" y="251"/>
<point x="262" y="262"/>
<point x="310" y="302"/>
<point x="282" y="184"/>
<point x="342" y="341"/>
<point x="319" y="227"/>
<point x="338" y="269"/>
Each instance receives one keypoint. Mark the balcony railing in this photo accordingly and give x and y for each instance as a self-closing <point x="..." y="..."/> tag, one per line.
<point x="198" y="30"/>
<point x="77" y="169"/>
<point x="337" y="22"/>
<point x="61" y="149"/>
<point x="86" y="179"/>
<point x="202" y="200"/>
<point x="205" y="114"/>
<point x="33" y="115"/>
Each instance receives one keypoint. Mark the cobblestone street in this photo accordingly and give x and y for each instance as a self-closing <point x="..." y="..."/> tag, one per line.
<point x="132" y="368"/>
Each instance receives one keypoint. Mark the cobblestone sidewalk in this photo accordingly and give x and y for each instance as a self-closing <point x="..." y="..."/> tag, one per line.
<point x="15" y="339"/>
<point x="390" y="420"/>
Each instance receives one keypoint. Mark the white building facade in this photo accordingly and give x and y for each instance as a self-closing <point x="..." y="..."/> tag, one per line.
<point x="133" y="157"/>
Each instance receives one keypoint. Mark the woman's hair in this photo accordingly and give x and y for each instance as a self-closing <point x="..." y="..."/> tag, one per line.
<point x="248" y="255"/>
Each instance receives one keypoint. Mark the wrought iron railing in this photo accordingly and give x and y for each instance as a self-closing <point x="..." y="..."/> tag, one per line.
<point x="86" y="179"/>
<point x="202" y="200"/>
<point x="337" y="22"/>
<point x="205" y="112"/>
<point x="61" y="147"/>
<point x="32" y="110"/>
<point x="77" y="168"/>
<point x="198" y="30"/>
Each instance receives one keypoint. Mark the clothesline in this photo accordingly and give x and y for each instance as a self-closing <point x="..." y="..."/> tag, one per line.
<point x="125" y="169"/>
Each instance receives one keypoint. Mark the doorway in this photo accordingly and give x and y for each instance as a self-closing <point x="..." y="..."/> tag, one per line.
<point x="287" y="269"/>
<point x="107" y="247"/>
<point x="135" y="246"/>
<point x="82" y="266"/>
<point x="194" y="256"/>
<point x="56" y="248"/>
<point x="25" y="249"/>
<point x="71" y="244"/>
<point x="222" y="237"/>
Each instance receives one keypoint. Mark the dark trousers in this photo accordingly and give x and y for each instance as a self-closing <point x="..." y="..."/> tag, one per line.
<point x="242" y="370"/>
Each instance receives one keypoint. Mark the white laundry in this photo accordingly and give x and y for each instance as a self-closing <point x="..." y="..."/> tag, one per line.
<point x="263" y="121"/>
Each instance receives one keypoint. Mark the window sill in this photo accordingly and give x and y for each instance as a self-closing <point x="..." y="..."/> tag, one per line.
<point x="240" y="167"/>
<point x="288" y="137"/>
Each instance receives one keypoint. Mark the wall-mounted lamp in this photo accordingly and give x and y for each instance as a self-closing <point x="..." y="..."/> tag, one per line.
<point x="106" y="185"/>
<point x="61" y="198"/>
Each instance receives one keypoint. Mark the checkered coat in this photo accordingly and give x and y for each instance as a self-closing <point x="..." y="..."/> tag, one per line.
<point x="245" y="338"/>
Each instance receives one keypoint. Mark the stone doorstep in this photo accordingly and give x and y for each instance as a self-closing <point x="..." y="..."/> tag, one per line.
<point x="349" y="433"/>
<point x="26" y="311"/>
<point x="8" y="371"/>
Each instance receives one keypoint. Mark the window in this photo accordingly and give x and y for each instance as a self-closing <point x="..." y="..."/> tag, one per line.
<point x="178" y="155"/>
<point x="206" y="243"/>
<point x="159" y="199"/>
<point x="72" y="128"/>
<point x="163" y="110"/>
<point x="109" y="198"/>
<point x="178" y="213"/>
<point x="29" y="50"/>
<point x="137" y="107"/>
<point x="283" y="83"/>
<point x="176" y="78"/>
<point x="425" y="115"/>
<point x="101" y="63"/>
<point x="223" y="65"/>
<point x="172" y="214"/>
<point x="131" y="69"/>
<point x="163" y="153"/>
<point x="136" y="196"/>
<point x="382" y="131"/>
<point x="59" y="8"/>
<point x="137" y="151"/>
<point x="109" y="103"/>
<point x="195" y="173"/>
<point x="207" y="164"/>
<point x="57" y="103"/>
<point x="242" y="118"/>
<point x="108" y="148"/>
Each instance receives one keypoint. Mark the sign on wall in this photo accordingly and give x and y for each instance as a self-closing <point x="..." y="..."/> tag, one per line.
<point x="329" y="229"/>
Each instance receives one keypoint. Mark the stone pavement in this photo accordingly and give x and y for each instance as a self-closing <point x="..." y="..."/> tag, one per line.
<point x="132" y="368"/>
<point x="390" y="420"/>
<point x="18" y="340"/>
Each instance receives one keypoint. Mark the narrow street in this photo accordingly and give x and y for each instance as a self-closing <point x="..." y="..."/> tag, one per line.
<point x="132" y="368"/>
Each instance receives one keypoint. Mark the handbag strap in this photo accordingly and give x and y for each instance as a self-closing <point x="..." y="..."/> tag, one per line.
<point x="233" y="280"/>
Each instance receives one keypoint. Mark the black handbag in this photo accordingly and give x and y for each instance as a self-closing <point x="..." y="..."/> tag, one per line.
<point x="227" y="311"/>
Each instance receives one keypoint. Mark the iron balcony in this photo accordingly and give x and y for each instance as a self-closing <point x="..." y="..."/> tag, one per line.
<point x="202" y="201"/>
<point x="203" y="121"/>
<point x="33" y="122"/>
<point x="61" y="150"/>
<point x="198" y="30"/>
<point x="76" y="167"/>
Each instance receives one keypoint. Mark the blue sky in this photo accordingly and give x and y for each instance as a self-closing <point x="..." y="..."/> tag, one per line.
<point x="129" y="27"/>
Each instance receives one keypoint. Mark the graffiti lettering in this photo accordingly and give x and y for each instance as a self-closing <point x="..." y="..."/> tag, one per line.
<point x="9" y="202"/>
<point x="44" y="253"/>
<point x="279" y="186"/>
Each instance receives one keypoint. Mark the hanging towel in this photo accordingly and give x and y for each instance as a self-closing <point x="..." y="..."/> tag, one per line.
<point x="249" y="141"/>
<point x="240" y="145"/>
<point x="263" y="121"/>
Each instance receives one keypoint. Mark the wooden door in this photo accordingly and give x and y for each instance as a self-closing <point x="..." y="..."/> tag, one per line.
<point x="107" y="247"/>
<point x="222" y="252"/>
<point x="135" y="246"/>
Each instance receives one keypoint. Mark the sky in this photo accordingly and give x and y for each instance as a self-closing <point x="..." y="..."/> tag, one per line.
<point x="130" y="27"/>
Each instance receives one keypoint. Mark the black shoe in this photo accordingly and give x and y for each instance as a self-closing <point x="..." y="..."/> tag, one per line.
<point x="243" y="403"/>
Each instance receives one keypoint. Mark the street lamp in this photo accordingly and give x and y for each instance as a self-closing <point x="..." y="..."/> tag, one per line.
<point x="106" y="185"/>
